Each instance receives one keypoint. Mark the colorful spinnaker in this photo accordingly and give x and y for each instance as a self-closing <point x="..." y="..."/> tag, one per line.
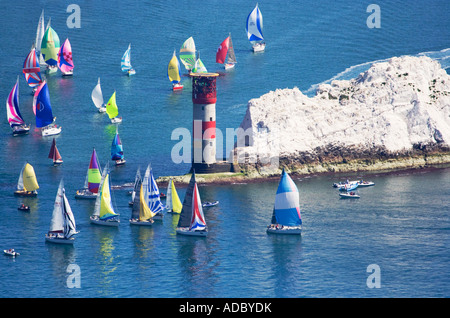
<point x="27" y="184"/>
<point x="15" y="119"/>
<point x="65" y="61"/>
<point x="50" y="47"/>
<point x="112" y="110"/>
<point x="286" y="217"/>
<point x="225" y="53"/>
<point x="173" y="72"/>
<point x="31" y="69"/>
<point x="173" y="203"/>
<point x="92" y="181"/>
<point x="125" y="64"/>
<point x="192" y="221"/>
<point x="54" y="154"/>
<point x="254" y="29"/>
<point x="199" y="67"/>
<point x="42" y="108"/>
<point x="117" y="149"/>
<point x="187" y="54"/>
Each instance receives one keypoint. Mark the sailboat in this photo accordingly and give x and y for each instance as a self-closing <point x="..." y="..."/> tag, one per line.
<point x="174" y="74"/>
<point x="54" y="154"/>
<point x="199" y="67"/>
<point x="112" y="110"/>
<point x="151" y="195"/>
<point x="49" y="48"/>
<point x="192" y="221"/>
<point x="104" y="213"/>
<point x="187" y="54"/>
<point x="31" y="70"/>
<point x="125" y="64"/>
<point x="39" y="35"/>
<point x="65" y="61"/>
<point x="117" y="150"/>
<point x="136" y="187"/>
<point x="92" y="181"/>
<point x="141" y="213"/>
<point x="43" y="110"/>
<point x="15" y="119"/>
<point x="225" y="53"/>
<point x="62" y="227"/>
<point x="254" y="29"/>
<point x="286" y="217"/>
<point x="173" y="203"/>
<point x="27" y="185"/>
<point x="97" y="97"/>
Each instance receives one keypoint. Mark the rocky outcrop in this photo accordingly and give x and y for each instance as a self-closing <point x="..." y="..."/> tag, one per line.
<point x="394" y="115"/>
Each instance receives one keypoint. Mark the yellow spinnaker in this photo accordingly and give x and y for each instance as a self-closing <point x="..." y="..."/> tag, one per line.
<point x="106" y="209"/>
<point x="111" y="107"/>
<point x="144" y="212"/>
<point x="29" y="178"/>
<point x="176" y="203"/>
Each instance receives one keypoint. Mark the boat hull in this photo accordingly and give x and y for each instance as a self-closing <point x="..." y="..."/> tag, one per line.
<point x="81" y="194"/>
<point x="348" y="196"/>
<point x="185" y="231"/>
<point x="120" y="162"/>
<point x="141" y="223"/>
<point x="229" y="66"/>
<point x="51" y="69"/>
<point x="20" y="130"/>
<point x="69" y="73"/>
<point x="177" y="87"/>
<point x="51" y="130"/>
<point x="112" y="223"/>
<point x="116" y="120"/>
<point x="259" y="47"/>
<point x="284" y="231"/>
<point x="56" y="240"/>
<point x="22" y="193"/>
<point x="13" y="254"/>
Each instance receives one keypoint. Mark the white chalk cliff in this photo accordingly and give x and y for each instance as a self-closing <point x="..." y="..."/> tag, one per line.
<point x="394" y="108"/>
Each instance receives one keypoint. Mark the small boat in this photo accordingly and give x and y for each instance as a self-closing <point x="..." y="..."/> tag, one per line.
<point x="54" y="154"/>
<point x="225" y="54"/>
<point x="117" y="150"/>
<point x="11" y="252"/>
<point x="31" y="70"/>
<point x="112" y="110"/>
<point x="192" y="221"/>
<point x="187" y="54"/>
<point x="125" y="64"/>
<point x="97" y="97"/>
<point x="349" y="195"/>
<point x="173" y="203"/>
<point x="49" y="48"/>
<point x="23" y="207"/>
<point x="62" y="226"/>
<point x="42" y="108"/>
<point x="174" y="74"/>
<point x="207" y="204"/>
<point x="15" y="119"/>
<point x="286" y="217"/>
<point x="362" y="183"/>
<point x="104" y="212"/>
<point x="27" y="185"/>
<point x="92" y="180"/>
<point x="65" y="61"/>
<point x="254" y="29"/>
<point x="348" y="187"/>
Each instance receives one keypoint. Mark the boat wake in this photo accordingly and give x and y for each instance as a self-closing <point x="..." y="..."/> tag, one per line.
<point x="442" y="56"/>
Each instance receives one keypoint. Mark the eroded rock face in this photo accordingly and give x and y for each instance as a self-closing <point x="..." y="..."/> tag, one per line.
<point x="396" y="109"/>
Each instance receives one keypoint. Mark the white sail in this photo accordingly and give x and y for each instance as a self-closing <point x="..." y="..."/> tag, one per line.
<point x="169" y="196"/>
<point x="39" y="35"/>
<point x="57" y="223"/>
<point x="69" y="219"/>
<point x="97" y="96"/>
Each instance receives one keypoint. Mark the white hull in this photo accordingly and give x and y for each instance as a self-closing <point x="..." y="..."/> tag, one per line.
<point x="51" y="69"/>
<point x="116" y="120"/>
<point x="56" y="240"/>
<point x="259" y="47"/>
<point x="69" y="73"/>
<point x="102" y="110"/>
<point x="13" y="254"/>
<point x="131" y="72"/>
<point x="229" y="66"/>
<point x="142" y="223"/>
<point x="97" y="221"/>
<point x="21" y="130"/>
<point x="177" y="87"/>
<point x="284" y="231"/>
<point x="50" y="130"/>
<point x="348" y="196"/>
<point x="185" y="231"/>
<point x="120" y="162"/>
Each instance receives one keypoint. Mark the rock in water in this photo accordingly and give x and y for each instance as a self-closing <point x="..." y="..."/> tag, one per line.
<point x="396" y="110"/>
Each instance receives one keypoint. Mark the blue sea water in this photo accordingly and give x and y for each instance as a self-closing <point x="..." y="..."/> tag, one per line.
<point x="402" y="224"/>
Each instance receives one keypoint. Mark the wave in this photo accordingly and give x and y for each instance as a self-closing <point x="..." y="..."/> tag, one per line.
<point x="442" y="56"/>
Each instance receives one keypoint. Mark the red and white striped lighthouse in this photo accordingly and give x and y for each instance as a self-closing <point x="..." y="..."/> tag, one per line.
<point x="204" y="121"/>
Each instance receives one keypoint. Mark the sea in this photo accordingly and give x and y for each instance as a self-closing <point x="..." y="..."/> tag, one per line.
<point x="391" y="243"/>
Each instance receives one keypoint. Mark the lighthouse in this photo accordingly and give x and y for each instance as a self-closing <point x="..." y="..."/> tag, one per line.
<point x="204" y="99"/>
